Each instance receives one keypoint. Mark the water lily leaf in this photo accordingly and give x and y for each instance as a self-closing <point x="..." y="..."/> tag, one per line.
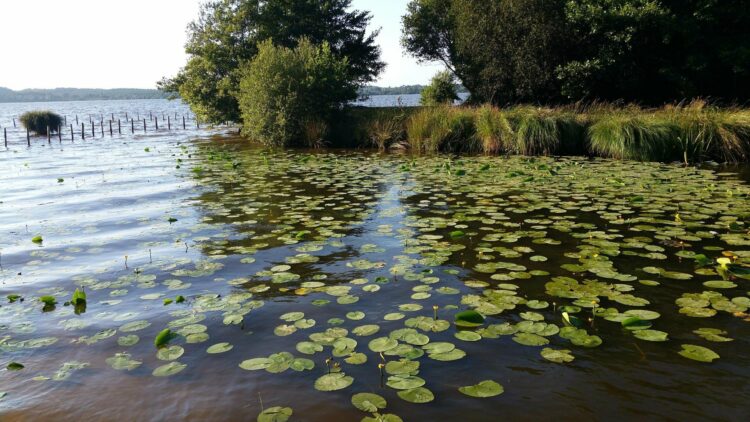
<point x="469" y="319"/>
<point x="169" y="369"/>
<point x="275" y="414"/>
<point x="699" y="353"/>
<point x="170" y="353"/>
<point x="122" y="361"/>
<point x="557" y="356"/>
<point x="382" y="344"/>
<point x="417" y="395"/>
<point x="333" y="382"/>
<point x="487" y="388"/>
<point x="368" y="402"/>
<point x="529" y="339"/>
<point x="255" y="364"/>
<point x="651" y="335"/>
<point x="404" y="382"/>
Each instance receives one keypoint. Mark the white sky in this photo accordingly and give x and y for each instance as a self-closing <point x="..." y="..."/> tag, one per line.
<point x="133" y="43"/>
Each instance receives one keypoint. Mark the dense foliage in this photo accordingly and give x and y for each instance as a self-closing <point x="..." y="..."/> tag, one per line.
<point x="287" y="96"/>
<point x="228" y="32"/>
<point x="441" y="90"/>
<point x="551" y="51"/>
<point x="39" y="121"/>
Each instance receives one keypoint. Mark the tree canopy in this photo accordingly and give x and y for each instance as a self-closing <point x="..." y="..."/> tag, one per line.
<point x="227" y="34"/>
<point x="551" y="51"/>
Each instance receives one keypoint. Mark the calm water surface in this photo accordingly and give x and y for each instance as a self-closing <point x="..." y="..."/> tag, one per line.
<point x="352" y="238"/>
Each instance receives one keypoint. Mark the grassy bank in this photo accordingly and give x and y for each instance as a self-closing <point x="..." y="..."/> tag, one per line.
<point x="693" y="132"/>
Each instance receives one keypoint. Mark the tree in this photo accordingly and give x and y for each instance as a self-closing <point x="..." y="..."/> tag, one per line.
<point x="227" y="33"/>
<point x="441" y="90"/>
<point x="503" y="51"/>
<point x="287" y="95"/>
<point x="549" y="51"/>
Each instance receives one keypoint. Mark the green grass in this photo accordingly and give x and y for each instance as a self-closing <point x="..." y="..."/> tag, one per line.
<point x="442" y="129"/>
<point x="39" y="121"/>
<point x="690" y="133"/>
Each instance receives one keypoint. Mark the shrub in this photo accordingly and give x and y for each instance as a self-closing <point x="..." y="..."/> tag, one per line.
<point x="288" y="96"/>
<point x="39" y="121"/>
<point x="441" y="90"/>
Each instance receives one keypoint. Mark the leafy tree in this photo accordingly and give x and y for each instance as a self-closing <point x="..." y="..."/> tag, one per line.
<point x="548" y="51"/>
<point x="503" y="51"/>
<point x="441" y="90"/>
<point x="287" y="95"/>
<point x="227" y="34"/>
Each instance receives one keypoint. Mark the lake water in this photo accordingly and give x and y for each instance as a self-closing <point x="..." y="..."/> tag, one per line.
<point x="304" y="271"/>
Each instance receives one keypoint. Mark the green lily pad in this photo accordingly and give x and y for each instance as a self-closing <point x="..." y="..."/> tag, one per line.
<point x="333" y="382"/>
<point x="557" y="356"/>
<point x="368" y="402"/>
<point x="417" y="395"/>
<point x="168" y="369"/>
<point x="275" y="414"/>
<point x="484" y="389"/>
<point x="699" y="353"/>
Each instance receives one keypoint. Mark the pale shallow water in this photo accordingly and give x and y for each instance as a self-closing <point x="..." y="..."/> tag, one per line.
<point x="202" y="214"/>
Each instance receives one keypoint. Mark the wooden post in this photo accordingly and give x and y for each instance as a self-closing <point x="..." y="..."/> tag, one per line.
<point x="132" y="126"/>
<point x="183" y="122"/>
<point x="144" y="125"/>
<point x="126" y="116"/>
<point x="169" y="124"/>
<point x="156" y="122"/>
<point x="59" y="134"/>
<point x="71" y="133"/>
<point x="49" y="136"/>
<point x="83" y="132"/>
<point x="101" y="126"/>
<point x="150" y="116"/>
<point x="93" y="128"/>
<point x="76" y="120"/>
<point x="28" y="137"/>
<point x="110" y="128"/>
<point x="14" y="122"/>
<point x="5" y="136"/>
<point x="119" y="128"/>
<point x="113" y="116"/>
<point x="65" y="117"/>
<point x="197" y="123"/>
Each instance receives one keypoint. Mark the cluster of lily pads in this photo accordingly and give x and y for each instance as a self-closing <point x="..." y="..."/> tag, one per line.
<point x="542" y="252"/>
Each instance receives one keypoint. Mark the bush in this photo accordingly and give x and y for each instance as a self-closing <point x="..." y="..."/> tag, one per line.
<point x="441" y="90"/>
<point x="39" y="121"/>
<point x="288" y="96"/>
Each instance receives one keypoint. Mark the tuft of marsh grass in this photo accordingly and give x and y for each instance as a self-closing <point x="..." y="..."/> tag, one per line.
<point x="632" y="136"/>
<point x="493" y="130"/>
<point x="39" y="121"/>
<point x="536" y="129"/>
<point x="442" y="129"/>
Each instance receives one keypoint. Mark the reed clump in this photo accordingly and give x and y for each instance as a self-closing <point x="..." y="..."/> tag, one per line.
<point x="39" y="121"/>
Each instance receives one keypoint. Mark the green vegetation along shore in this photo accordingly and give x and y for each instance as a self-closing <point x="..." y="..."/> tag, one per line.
<point x="691" y="132"/>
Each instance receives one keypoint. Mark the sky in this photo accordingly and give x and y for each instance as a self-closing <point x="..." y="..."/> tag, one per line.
<point x="134" y="43"/>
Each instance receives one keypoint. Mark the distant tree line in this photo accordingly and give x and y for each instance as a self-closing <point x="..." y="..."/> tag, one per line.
<point x="76" y="94"/>
<point x="558" y="51"/>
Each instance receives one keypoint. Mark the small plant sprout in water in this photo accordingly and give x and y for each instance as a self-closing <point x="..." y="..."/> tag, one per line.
<point x="434" y="312"/>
